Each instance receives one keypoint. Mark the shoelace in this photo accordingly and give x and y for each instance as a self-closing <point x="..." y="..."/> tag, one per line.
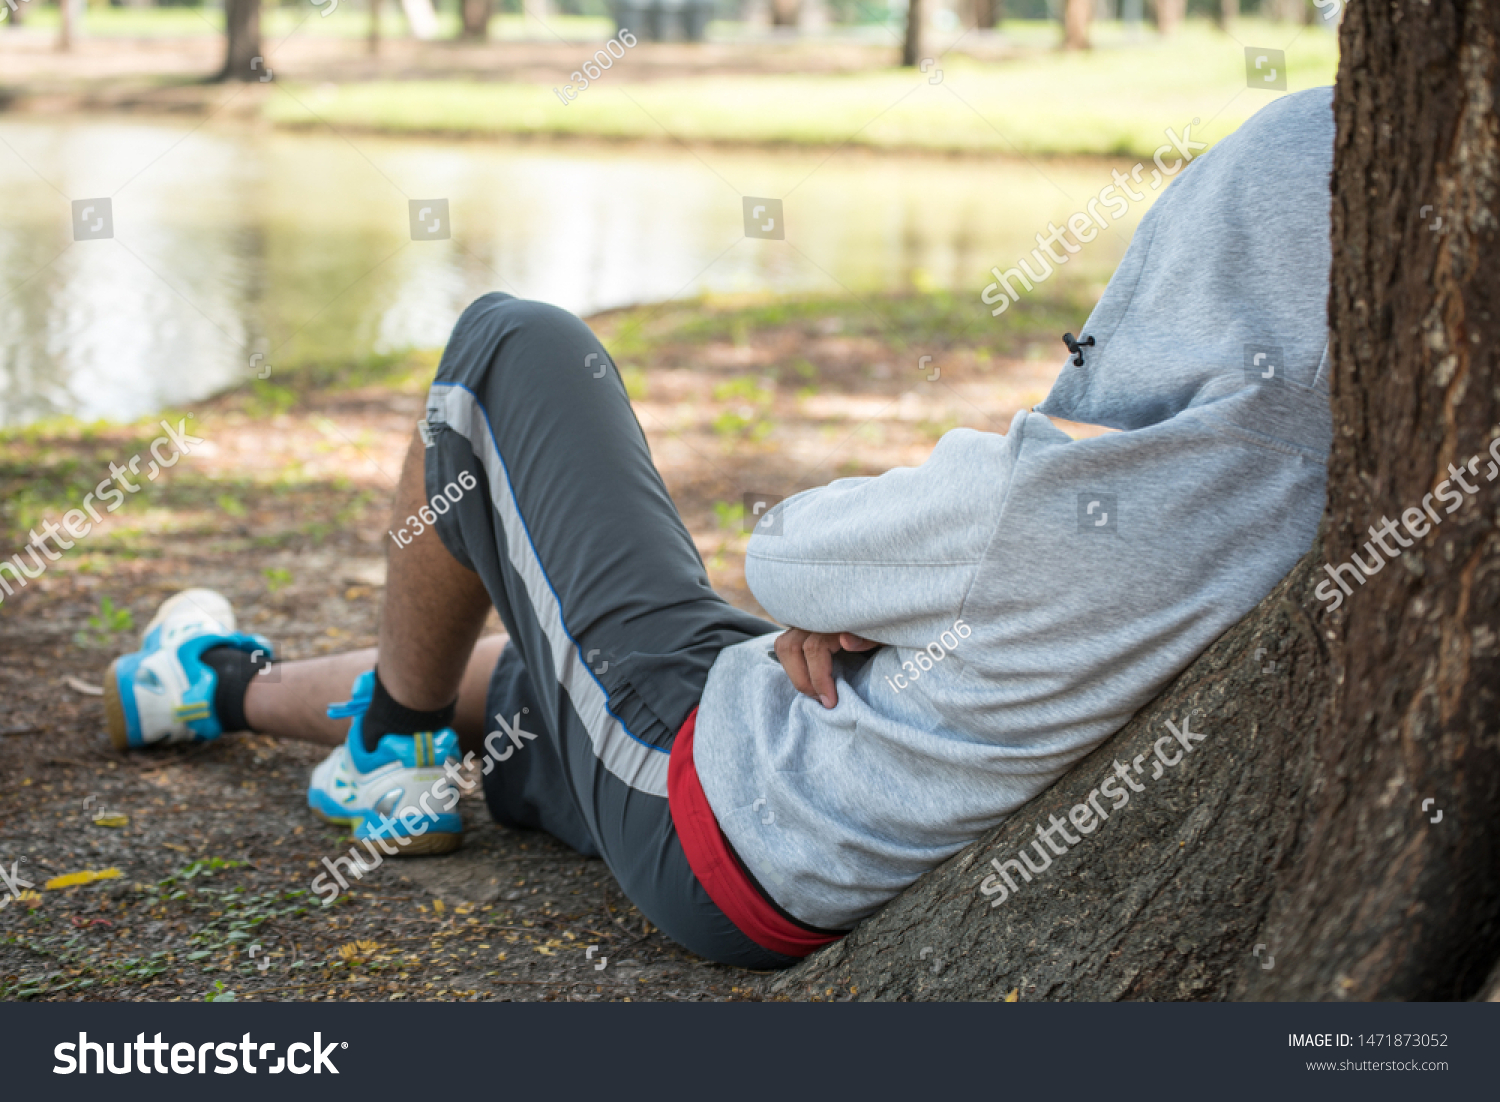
<point x="356" y="705"/>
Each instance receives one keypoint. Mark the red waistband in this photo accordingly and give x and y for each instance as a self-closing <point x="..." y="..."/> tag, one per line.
<point x="717" y="868"/>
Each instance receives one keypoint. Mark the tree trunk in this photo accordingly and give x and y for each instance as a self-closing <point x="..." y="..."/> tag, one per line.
<point x="989" y="13"/>
<point x="1168" y="15"/>
<point x="1229" y="12"/>
<point x="372" y="38"/>
<point x="242" y="31"/>
<point x="1384" y="903"/>
<point x="915" y="43"/>
<point x="476" y="19"/>
<point x="785" y="13"/>
<point x="1077" y="14"/>
<point x="1293" y="855"/>
<point x="65" y="15"/>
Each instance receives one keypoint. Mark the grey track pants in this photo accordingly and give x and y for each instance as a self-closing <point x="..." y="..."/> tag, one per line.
<point x="612" y="621"/>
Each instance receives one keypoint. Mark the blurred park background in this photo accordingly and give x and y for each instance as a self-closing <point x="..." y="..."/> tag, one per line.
<point x="254" y="174"/>
<point x="210" y="216"/>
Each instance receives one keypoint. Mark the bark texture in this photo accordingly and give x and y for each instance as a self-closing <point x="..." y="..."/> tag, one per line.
<point x="1383" y="903"/>
<point x="1289" y="854"/>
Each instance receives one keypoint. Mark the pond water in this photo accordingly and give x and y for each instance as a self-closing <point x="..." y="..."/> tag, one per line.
<point x="234" y="243"/>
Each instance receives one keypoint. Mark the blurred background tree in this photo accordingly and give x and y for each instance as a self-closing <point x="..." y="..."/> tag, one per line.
<point x="242" y="40"/>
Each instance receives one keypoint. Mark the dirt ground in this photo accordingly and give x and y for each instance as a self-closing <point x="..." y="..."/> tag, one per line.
<point x="205" y="853"/>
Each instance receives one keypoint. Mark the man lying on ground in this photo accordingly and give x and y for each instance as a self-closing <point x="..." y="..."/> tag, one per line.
<point x="964" y="631"/>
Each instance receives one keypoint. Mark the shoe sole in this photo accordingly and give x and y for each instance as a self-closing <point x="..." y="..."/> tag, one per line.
<point x="431" y="844"/>
<point x="114" y="710"/>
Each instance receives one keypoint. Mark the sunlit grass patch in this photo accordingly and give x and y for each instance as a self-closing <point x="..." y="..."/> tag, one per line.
<point x="1113" y="100"/>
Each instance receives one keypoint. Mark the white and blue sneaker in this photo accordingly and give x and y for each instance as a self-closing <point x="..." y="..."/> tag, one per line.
<point x="393" y="792"/>
<point x="164" y="692"/>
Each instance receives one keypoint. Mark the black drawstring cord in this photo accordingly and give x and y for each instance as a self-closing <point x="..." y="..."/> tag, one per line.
<point x="1077" y="347"/>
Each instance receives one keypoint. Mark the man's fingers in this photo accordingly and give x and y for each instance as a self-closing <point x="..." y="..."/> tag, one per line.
<point x="789" y="652"/>
<point x="851" y="642"/>
<point x="818" y="650"/>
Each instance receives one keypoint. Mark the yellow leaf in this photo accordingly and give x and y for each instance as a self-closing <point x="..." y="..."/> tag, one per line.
<point x="357" y="952"/>
<point x="437" y="905"/>
<point x="111" y="819"/>
<point x="1015" y="995"/>
<point x="86" y="876"/>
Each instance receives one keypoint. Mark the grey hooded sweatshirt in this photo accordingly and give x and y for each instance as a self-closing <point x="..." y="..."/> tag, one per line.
<point x="1032" y="591"/>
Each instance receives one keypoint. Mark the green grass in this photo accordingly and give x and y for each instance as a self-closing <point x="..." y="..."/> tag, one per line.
<point x="1109" y="101"/>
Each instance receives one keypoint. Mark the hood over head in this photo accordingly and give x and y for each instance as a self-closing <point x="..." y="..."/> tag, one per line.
<point x="1222" y="298"/>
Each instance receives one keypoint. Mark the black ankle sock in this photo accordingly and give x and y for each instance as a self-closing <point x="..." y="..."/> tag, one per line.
<point x="236" y="669"/>
<point x="387" y="717"/>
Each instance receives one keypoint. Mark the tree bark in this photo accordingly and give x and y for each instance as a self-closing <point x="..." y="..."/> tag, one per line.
<point x="1384" y="903"/>
<point x="914" y="44"/>
<point x="1077" y="15"/>
<point x="476" y="19"/>
<point x="242" y="33"/>
<point x="1293" y="853"/>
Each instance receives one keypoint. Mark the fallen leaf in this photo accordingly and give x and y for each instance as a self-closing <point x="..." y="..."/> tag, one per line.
<point x="437" y="905"/>
<point x="111" y="819"/>
<point x="1014" y="996"/>
<point x="83" y="687"/>
<point x="85" y="876"/>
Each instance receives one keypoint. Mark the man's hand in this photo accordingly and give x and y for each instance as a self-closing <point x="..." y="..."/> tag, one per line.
<point x="807" y="657"/>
